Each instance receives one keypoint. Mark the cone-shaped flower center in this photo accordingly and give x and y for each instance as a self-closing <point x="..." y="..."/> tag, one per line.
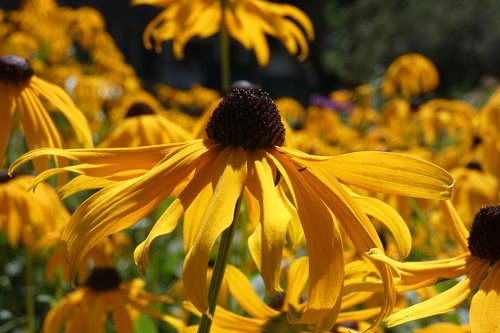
<point x="139" y="109"/>
<point x="485" y="234"/>
<point x="247" y="118"/>
<point x="103" y="279"/>
<point x="14" y="69"/>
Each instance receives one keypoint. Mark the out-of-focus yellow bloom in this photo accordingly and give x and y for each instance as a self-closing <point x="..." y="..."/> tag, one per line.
<point x="87" y="309"/>
<point x="20" y="43"/>
<point x="444" y="328"/>
<point x="291" y="110"/>
<point x="243" y="157"/>
<point x="192" y="101"/>
<point x="479" y="263"/>
<point x="247" y="21"/>
<point x="363" y="115"/>
<point x="20" y="90"/>
<point x="29" y="216"/>
<point x="446" y="121"/>
<point x="142" y="127"/>
<point x="410" y="75"/>
<point x="473" y="189"/>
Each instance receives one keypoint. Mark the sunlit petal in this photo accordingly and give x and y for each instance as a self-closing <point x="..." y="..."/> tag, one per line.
<point x="231" y="166"/>
<point x="484" y="306"/>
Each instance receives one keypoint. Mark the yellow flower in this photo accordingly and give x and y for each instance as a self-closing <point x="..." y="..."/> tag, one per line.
<point x="274" y="315"/>
<point x="410" y="75"/>
<point x="26" y="216"/>
<point x="479" y="263"/>
<point x="474" y="188"/>
<point x="142" y="127"/>
<point x="19" y="91"/>
<point x="247" y="21"/>
<point x="87" y="309"/>
<point x="242" y="156"/>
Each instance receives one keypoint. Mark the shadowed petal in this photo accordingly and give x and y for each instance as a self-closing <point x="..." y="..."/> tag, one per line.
<point x="247" y="298"/>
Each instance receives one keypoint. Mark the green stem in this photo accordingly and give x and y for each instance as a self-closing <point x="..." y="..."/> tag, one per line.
<point x="219" y="269"/>
<point x="30" y="295"/>
<point x="224" y="48"/>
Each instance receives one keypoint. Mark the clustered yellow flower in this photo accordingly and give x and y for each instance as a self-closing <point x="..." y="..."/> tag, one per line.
<point x="339" y="208"/>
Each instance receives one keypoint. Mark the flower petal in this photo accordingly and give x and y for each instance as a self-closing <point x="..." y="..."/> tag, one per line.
<point x="392" y="173"/>
<point x="119" y="206"/>
<point x="229" y="172"/>
<point x="274" y="218"/>
<point x="324" y="244"/>
<point x="484" y="306"/>
<point x="7" y="106"/>
<point x="170" y="218"/>
<point x="390" y="219"/>
<point x="244" y="293"/>
<point x="445" y="301"/>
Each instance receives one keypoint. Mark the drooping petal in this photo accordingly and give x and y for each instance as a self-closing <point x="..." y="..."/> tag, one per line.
<point x="229" y="175"/>
<point x="484" y="306"/>
<point x="413" y="272"/>
<point x="391" y="173"/>
<point x="65" y="105"/>
<point x="169" y="219"/>
<point x="324" y="245"/>
<point x="119" y="312"/>
<point x="445" y="301"/>
<point x="39" y="130"/>
<point x="244" y="293"/>
<point x="355" y="223"/>
<point x="7" y="106"/>
<point x="390" y="219"/>
<point x="119" y="206"/>
<point x="274" y="218"/>
<point x="56" y="318"/>
<point x="458" y="228"/>
<point x="298" y="275"/>
<point x="194" y="216"/>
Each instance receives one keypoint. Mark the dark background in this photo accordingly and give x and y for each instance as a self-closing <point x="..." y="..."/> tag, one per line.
<point x="355" y="42"/>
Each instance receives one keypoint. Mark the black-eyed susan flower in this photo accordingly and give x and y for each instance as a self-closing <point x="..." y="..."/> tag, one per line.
<point x="104" y="295"/>
<point x="479" y="264"/>
<point x="20" y="91"/>
<point x="143" y="127"/>
<point x="247" y="21"/>
<point x="242" y="157"/>
<point x="26" y="216"/>
<point x="410" y="75"/>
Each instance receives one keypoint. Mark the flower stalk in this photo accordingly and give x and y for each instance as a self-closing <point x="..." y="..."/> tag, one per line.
<point x="219" y="269"/>
<point x="30" y="295"/>
<point x="224" y="48"/>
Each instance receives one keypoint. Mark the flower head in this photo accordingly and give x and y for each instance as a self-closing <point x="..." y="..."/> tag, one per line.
<point x="209" y="176"/>
<point x="104" y="294"/>
<point x="479" y="264"/>
<point x="247" y="21"/>
<point x="20" y="89"/>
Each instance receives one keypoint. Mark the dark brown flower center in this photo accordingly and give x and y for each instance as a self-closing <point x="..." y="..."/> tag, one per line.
<point x="246" y="118"/>
<point x="485" y="234"/>
<point x="14" y="69"/>
<point x="103" y="279"/>
<point x="139" y="109"/>
<point x="4" y="177"/>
